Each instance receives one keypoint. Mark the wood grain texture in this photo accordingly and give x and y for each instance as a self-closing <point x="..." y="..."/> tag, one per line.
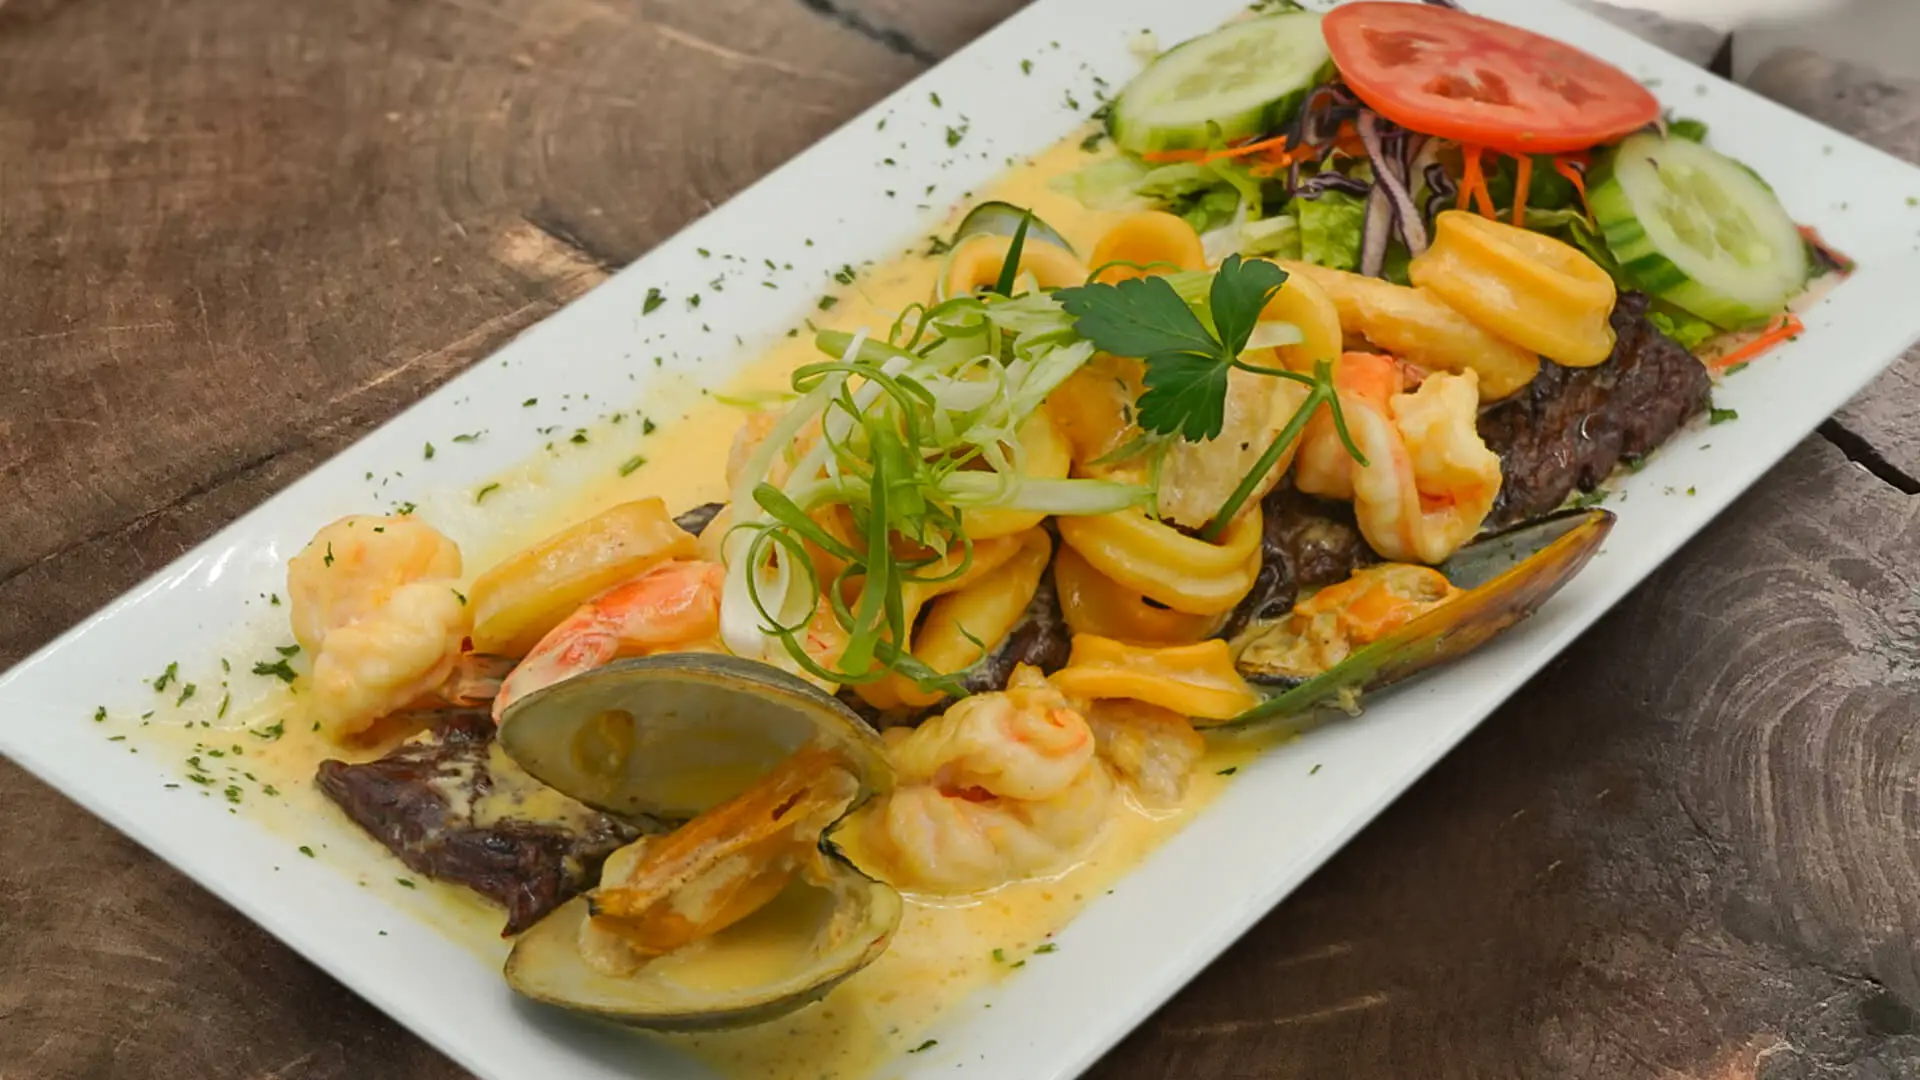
<point x="233" y="237"/>
<point x="201" y="267"/>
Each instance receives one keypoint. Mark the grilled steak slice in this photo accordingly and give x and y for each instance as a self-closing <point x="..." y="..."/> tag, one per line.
<point x="1041" y="639"/>
<point x="1571" y="427"/>
<point x="455" y="809"/>
<point x="1306" y="543"/>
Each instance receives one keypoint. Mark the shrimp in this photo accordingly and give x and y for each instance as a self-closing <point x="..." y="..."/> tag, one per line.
<point x="1001" y="787"/>
<point x="372" y="601"/>
<point x="1026" y="742"/>
<point x="675" y="605"/>
<point x="663" y="892"/>
<point x="1429" y="482"/>
<point x="351" y="568"/>
<point x="1151" y="749"/>
<point x="1322" y="466"/>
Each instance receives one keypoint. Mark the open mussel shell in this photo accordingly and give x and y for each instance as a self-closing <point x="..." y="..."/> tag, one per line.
<point x="1506" y="577"/>
<point x="854" y="924"/>
<point x="668" y="737"/>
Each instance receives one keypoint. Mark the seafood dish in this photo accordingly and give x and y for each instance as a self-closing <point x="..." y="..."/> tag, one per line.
<point x="1299" y="373"/>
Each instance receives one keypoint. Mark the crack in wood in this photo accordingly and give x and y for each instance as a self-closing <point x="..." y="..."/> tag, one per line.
<point x="133" y="524"/>
<point x="545" y="220"/>
<point x="1862" y="453"/>
<point x="893" y="38"/>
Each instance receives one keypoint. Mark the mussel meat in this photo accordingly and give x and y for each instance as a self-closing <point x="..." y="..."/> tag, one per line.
<point x="1392" y="621"/>
<point x="747" y="910"/>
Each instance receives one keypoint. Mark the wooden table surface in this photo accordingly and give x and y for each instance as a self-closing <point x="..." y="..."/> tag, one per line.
<point x="235" y="236"/>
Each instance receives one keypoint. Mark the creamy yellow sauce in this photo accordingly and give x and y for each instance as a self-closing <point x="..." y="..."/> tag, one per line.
<point x="944" y="951"/>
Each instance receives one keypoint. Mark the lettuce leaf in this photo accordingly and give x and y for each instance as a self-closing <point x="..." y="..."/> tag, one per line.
<point x="1330" y="228"/>
<point x="1689" y="330"/>
<point x="1394" y="267"/>
<point x="1104" y="185"/>
<point x="1582" y="234"/>
<point x="1176" y="181"/>
<point x="1278" y="236"/>
<point x="1209" y="210"/>
<point x="1685" y="127"/>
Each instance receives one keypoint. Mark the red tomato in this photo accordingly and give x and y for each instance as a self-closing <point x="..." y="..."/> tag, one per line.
<point x="1462" y="77"/>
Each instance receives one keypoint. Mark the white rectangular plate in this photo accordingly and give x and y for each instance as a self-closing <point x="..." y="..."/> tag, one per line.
<point x="1123" y="956"/>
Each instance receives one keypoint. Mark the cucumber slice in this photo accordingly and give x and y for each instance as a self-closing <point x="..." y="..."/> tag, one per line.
<point x="1248" y="78"/>
<point x="1698" y="230"/>
<point x="996" y="218"/>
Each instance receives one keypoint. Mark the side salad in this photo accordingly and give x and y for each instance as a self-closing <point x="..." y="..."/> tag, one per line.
<point x="1337" y="140"/>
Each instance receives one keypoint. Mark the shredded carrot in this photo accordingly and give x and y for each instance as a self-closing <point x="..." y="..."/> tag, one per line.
<point x="1275" y="163"/>
<point x="1785" y="328"/>
<point x="1571" y="166"/>
<point x="1841" y="262"/>
<point x="1278" y="142"/>
<point x="1473" y="182"/>
<point x="1522" y="184"/>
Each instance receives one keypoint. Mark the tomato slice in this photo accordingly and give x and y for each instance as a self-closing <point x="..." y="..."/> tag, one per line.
<point x="1474" y="80"/>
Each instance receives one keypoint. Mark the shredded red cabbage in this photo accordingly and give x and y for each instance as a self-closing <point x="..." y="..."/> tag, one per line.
<point x="1385" y="153"/>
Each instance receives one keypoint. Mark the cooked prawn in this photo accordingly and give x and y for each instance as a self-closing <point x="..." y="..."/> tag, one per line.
<point x="372" y="601"/>
<point x="1002" y="786"/>
<point x="675" y="605"/>
<point x="1323" y="467"/>
<point x="663" y="892"/>
<point x="1026" y="742"/>
<point x="1429" y="481"/>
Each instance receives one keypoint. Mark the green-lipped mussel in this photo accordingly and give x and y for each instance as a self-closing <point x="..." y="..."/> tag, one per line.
<point x="1391" y="622"/>
<point x="744" y="912"/>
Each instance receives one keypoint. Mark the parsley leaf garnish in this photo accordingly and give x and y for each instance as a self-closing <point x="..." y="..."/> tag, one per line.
<point x="1240" y="293"/>
<point x="1186" y="393"/>
<point x="1188" y="362"/>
